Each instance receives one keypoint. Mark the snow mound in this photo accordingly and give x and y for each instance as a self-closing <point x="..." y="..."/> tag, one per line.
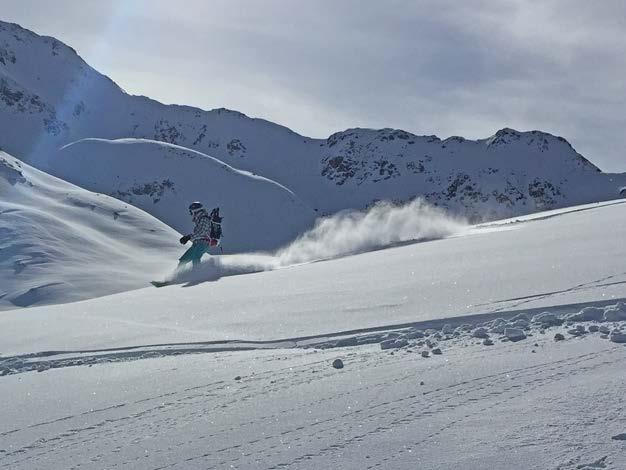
<point x="60" y="243"/>
<point x="610" y="313"/>
<point x="163" y="179"/>
<point x="345" y="233"/>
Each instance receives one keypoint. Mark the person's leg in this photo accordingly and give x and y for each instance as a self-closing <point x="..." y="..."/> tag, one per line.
<point x="196" y="260"/>
<point x="193" y="254"/>
<point x="187" y="257"/>
<point x="201" y="249"/>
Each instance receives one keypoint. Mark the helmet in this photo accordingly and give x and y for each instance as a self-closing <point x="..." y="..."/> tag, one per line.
<point x="195" y="207"/>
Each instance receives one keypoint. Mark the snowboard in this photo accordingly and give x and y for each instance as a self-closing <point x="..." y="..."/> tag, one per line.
<point x="160" y="283"/>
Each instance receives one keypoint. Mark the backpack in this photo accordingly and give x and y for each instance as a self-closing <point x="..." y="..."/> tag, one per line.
<point x="216" y="224"/>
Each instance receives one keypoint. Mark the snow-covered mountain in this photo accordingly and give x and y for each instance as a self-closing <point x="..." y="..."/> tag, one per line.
<point x="162" y="179"/>
<point x="508" y="173"/>
<point x="61" y="243"/>
<point x="50" y="97"/>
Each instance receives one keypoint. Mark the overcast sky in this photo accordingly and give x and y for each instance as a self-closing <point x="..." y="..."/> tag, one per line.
<point x="466" y="67"/>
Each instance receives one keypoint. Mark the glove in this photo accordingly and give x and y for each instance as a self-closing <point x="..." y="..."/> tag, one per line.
<point x="185" y="239"/>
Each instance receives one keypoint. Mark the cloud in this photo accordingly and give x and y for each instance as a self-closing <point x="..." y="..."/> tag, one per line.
<point x="444" y="67"/>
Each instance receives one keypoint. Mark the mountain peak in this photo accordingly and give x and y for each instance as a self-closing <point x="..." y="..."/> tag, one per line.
<point x="20" y="34"/>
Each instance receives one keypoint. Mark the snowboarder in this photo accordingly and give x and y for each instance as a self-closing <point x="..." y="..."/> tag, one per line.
<point x="206" y="233"/>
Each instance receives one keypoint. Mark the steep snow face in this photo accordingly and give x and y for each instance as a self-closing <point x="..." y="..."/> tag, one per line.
<point x="50" y="97"/>
<point x="60" y="243"/>
<point x="163" y="179"/>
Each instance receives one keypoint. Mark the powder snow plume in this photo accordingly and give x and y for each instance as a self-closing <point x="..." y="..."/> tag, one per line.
<point x="345" y="233"/>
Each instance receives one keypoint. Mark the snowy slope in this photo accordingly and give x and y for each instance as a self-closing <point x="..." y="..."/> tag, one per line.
<point x="163" y="179"/>
<point x="50" y="97"/>
<point x="61" y="243"/>
<point x="419" y="387"/>
<point x="566" y="258"/>
<point x="472" y="408"/>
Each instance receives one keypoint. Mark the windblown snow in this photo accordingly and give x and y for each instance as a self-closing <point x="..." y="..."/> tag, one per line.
<point x="345" y="233"/>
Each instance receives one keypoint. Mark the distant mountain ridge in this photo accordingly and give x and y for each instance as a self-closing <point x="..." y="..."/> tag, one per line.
<point x="50" y="97"/>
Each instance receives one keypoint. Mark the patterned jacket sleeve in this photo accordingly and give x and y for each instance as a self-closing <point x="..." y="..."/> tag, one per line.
<point x="202" y="229"/>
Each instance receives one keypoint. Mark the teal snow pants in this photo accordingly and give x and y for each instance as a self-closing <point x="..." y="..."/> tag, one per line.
<point x="194" y="253"/>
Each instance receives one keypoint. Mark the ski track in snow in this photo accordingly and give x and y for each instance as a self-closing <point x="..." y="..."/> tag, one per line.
<point x="340" y="421"/>
<point x="515" y="303"/>
<point x="396" y="400"/>
<point x="44" y="360"/>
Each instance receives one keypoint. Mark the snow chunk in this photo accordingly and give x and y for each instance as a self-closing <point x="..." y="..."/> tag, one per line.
<point x="547" y="319"/>
<point x="498" y="326"/>
<point x="514" y="334"/>
<point x="520" y="316"/>
<point x="579" y="330"/>
<point x="615" y="312"/>
<point x="520" y="323"/>
<point x="587" y="314"/>
<point x="480" y="333"/>
<point x="447" y="329"/>
<point x="344" y="342"/>
<point x="618" y="337"/>
<point x="393" y="344"/>
<point x="414" y="334"/>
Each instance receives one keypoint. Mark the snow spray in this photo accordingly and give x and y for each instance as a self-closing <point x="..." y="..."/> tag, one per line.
<point x="345" y="233"/>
